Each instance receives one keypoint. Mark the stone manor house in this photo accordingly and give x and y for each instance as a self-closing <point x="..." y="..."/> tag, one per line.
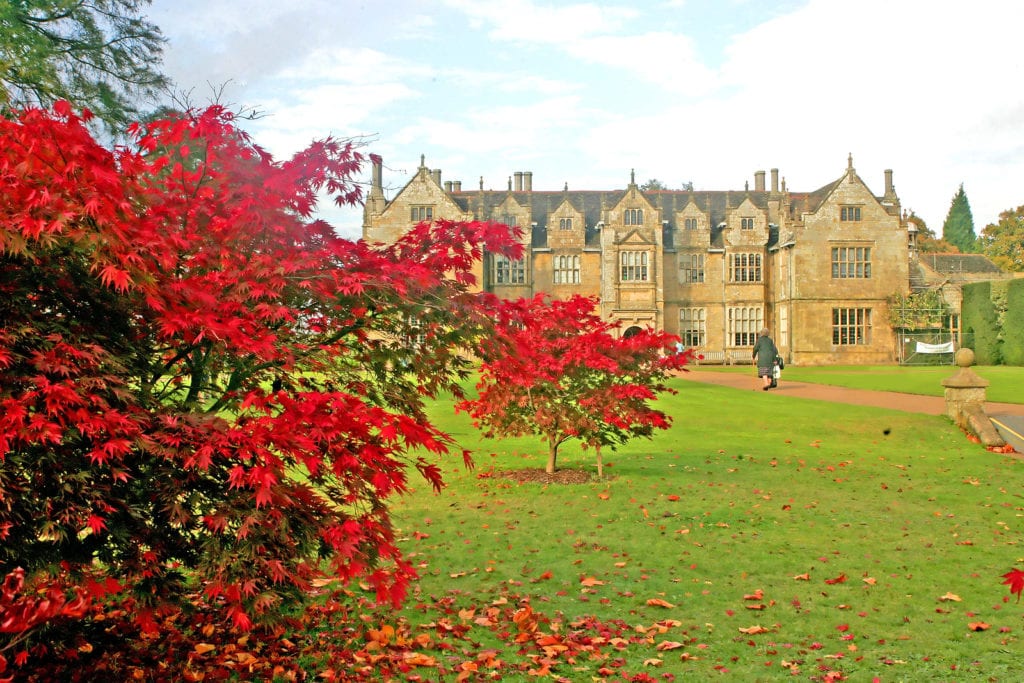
<point x="714" y="267"/>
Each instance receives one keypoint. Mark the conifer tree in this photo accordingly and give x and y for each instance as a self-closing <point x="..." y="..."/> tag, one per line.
<point x="958" y="229"/>
<point x="103" y="55"/>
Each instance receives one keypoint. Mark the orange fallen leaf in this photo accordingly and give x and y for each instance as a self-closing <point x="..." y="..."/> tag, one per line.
<point x="673" y="497"/>
<point x="591" y="581"/>
<point x="978" y="626"/>
<point x="652" y="662"/>
<point x="754" y="630"/>
<point x="756" y="595"/>
<point x="950" y="597"/>
<point x="203" y="648"/>
<point x="802" y="577"/>
<point x="869" y="580"/>
<point x="658" y="602"/>
<point x="758" y="606"/>
<point x="667" y="645"/>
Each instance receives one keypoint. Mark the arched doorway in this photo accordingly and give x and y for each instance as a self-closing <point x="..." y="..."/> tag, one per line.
<point x="631" y="332"/>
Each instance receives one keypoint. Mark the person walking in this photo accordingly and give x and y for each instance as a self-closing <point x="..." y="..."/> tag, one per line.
<point x="764" y="354"/>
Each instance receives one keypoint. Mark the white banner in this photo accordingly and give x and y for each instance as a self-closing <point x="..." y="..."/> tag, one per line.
<point x="935" y="348"/>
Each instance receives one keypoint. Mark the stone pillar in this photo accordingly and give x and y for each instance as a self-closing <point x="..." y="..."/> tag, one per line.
<point x="965" y="400"/>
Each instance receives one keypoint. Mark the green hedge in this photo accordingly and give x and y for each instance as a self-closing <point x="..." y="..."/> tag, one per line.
<point x="1013" y="324"/>
<point x="980" y="323"/>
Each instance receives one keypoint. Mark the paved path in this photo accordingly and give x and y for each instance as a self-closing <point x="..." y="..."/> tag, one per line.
<point x="1008" y="417"/>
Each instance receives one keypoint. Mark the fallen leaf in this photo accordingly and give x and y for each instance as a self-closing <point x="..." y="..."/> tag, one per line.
<point x="203" y="648"/>
<point x="978" y="626"/>
<point x="658" y="602"/>
<point x="802" y="577"/>
<point x="667" y="645"/>
<point x="591" y="581"/>
<point x="754" y="630"/>
<point x="949" y="597"/>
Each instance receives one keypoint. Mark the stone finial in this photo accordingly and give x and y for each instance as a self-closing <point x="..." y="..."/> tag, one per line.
<point x="964" y="357"/>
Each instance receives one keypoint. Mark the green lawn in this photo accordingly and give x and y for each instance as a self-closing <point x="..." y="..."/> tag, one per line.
<point x="774" y="536"/>
<point x="1006" y="384"/>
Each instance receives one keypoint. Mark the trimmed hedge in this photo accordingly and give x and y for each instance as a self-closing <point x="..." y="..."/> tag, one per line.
<point x="980" y="323"/>
<point x="1013" y="324"/>
<point x="993" y="321"/>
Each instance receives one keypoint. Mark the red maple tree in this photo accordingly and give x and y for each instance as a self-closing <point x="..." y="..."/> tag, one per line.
<point x="558" y="370"/>
<point x="198" y="380"/>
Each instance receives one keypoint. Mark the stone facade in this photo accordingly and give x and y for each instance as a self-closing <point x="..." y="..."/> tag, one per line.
<point x="714" y="267"/>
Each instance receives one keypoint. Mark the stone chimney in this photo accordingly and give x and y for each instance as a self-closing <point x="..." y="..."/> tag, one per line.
<point x="775" y="180"/>
<point x="457" y="185"/>
<point x="519" y="181"/>
<point x="448" y="186"/>
<point x="376" y="176"/>
<point x="528" y="181"/>
<point x="759" y="181"/>
<point x="436" y="175"/>
<point x="889" y="190"/>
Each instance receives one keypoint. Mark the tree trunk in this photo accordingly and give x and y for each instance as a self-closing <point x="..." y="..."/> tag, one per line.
<point x="552" y="456"/>
<point x="600" y="463"/>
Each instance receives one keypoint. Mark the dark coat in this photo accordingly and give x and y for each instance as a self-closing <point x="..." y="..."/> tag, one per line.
<point x="765" y="352"/>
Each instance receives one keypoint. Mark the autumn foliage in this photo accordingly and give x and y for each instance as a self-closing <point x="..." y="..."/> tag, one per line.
<point x="198" y="380"/>
<point x="557" y="370"/>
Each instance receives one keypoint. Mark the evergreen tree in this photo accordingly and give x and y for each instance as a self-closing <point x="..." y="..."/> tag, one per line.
<point x="958" y="229"/>
<point x="101" y="55"/>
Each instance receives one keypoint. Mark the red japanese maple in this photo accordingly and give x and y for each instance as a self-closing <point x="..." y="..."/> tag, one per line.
<point x="195" y="375"/>
<point x="559" y="371"/>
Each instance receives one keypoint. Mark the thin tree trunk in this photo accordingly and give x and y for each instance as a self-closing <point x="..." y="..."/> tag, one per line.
<point x="600" y="463"/>
<point x="552" y="456"/>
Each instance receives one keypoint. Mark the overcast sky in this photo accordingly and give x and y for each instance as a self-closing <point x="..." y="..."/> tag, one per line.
<point x="707" y="91"/>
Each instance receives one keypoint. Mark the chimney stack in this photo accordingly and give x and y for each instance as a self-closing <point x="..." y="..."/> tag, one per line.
<point x="448" y="186"/>
<point x="759" y="181"/>
<point x="519" y="181"/>
<point x="528" y="181"/>
<point x="376" y="175"/>
<point x="457" y="185"/>
<point x="889" y="190"/>
<point x="775" y="180"/>
<point x="436" y="175"/>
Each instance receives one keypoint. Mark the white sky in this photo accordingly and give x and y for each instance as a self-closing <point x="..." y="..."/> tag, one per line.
<point x="707" y="91"/>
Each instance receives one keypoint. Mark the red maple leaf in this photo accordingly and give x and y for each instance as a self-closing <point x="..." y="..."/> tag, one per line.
<point x="1015" y="580"/>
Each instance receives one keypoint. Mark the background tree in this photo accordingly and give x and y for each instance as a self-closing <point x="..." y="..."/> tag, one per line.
<point x="927" y="241"/>
<point x="652" y="185"/>
<point x="557" y="371"/>
<point x="1003" y="242"/>
<point x="100" y="54"/>
<point x="958" y="229"/>
<point x="198" y="382"/>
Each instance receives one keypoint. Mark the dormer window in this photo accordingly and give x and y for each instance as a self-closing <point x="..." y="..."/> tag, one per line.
<point x="565" y="223"/>
<point x="849" y="213"/>
<point x="746" y="224"/>
<point x="634" y="217"/>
